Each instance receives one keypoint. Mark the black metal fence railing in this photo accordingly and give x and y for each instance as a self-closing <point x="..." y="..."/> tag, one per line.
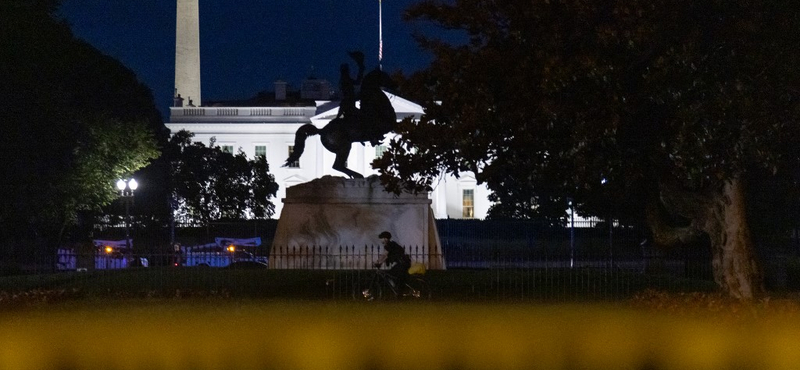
<point x="474" y="271"/>
<point x="686" y="263"/>
<point x="346" y="257"/>
<point x="521" y="251"/>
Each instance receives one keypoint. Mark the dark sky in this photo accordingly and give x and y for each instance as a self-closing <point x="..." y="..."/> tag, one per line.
<point x="247" y="44"/>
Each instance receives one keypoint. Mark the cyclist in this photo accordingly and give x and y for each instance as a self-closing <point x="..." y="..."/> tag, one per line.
<point x="396" y="257"/>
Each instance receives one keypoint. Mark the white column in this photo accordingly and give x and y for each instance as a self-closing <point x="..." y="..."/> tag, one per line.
<point x="187" y="51"/>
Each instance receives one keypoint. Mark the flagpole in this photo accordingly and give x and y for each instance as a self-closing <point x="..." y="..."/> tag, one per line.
<point x="380" y="34"/>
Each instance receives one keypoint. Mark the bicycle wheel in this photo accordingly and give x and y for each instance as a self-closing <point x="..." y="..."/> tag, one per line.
<point x="419" y="288"/>
<point x="368" y="290"/>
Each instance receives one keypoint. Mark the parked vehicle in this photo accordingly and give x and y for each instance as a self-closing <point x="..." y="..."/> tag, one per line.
<point x="222" y="253"/>
<point x="107" y="255"/>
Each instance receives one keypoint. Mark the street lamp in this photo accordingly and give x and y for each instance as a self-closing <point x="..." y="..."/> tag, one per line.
<point x="126" y="188"/>
<point x="571" y="233"/>
<point x="610" y="220"/>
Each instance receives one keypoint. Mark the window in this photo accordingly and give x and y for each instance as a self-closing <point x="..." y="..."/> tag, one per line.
<point x="468" y="203"/>
<point x="379" y="150"/>
<point x="261" y="150"/>
<point x="295" y="164"/>
<point x="226" y="148"/>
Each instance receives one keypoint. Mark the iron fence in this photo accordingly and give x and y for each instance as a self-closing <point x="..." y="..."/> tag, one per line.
<point x="317" y="272"/>
<point x="510" y="258"/>
<point x="348" y="257"/>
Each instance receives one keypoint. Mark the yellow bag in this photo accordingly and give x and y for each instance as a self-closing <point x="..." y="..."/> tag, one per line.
<point x="417" y="268"/>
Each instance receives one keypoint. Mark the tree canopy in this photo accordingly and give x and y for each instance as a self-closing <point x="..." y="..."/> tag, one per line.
<point x="73" y="121"/>
<point x="210" y="184"/>
<point x="639" y="107"/>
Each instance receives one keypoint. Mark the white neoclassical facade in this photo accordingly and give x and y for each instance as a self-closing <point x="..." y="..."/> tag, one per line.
<point x="267" y="127"/>
<point x="270" y="131"/>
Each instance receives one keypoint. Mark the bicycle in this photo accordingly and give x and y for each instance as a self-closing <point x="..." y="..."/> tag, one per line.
<point x="373" y="288"/>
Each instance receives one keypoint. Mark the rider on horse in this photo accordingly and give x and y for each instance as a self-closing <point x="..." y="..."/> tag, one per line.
<point x="347" y="85"/>
<point x="354" y="117"/>
<point x="375" y="118"/>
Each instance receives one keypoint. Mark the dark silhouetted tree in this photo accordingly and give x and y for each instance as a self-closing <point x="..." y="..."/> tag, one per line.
<point x="73" y="121"/>
<point x="649" y="108"/>
<point x="210" y="184"/>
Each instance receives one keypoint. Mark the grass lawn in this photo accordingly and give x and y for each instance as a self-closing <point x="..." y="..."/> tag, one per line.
<point x="553" y="285"/>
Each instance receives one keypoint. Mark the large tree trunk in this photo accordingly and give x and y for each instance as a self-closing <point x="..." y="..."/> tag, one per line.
<point x="733" y="260"/>
<point x="722" y="216"/>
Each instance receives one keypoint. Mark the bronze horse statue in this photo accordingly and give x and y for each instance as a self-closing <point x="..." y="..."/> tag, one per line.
<point x="375" y="118"/>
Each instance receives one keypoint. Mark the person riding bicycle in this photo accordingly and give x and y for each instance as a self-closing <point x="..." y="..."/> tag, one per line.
<point x="396" y="256"/>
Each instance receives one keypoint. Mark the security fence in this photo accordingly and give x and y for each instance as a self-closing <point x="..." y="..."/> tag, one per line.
<point x="349" y="257"/>
<point x="498" y="258"/>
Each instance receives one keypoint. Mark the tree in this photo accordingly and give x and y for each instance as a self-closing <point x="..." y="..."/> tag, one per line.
<point x="210" y="184"/>
<point x="73" y="121"/>
<point x="659" y="109"/>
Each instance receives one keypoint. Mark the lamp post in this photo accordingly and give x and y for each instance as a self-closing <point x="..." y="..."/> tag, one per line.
<point x="126" y="188"/>
<point x="610" y="220"/>
<point x="571" y="233"/>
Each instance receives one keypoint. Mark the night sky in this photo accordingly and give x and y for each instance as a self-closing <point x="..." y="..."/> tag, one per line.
<point x="247" y="44"/>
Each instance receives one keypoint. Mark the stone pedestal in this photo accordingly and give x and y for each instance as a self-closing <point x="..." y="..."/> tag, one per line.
<point x="333" y="223"/>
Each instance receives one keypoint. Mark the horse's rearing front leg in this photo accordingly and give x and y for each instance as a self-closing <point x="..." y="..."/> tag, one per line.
<point x="339" y="165"/>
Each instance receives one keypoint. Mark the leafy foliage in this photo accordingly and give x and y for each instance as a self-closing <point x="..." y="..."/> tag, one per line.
<point x="109" y="149"/>
<point x="633" y="109"/>
<point x="210" y="184"/>
<point x="599" y="101"/>
<point x="73" y="120"/>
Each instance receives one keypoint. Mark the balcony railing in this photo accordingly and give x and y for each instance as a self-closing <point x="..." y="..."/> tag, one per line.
<point x="182" y="114"/>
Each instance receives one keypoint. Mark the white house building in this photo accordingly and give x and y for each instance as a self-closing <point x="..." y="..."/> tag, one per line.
<point x="270" y="131"/>
<point x="267" y="127"/>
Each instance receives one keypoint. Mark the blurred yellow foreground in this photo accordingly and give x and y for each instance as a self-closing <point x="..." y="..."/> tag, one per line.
<point x="305" y="335"/>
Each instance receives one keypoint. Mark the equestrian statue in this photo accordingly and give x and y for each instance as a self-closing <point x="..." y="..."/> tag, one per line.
<point x="375" y="118"/>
